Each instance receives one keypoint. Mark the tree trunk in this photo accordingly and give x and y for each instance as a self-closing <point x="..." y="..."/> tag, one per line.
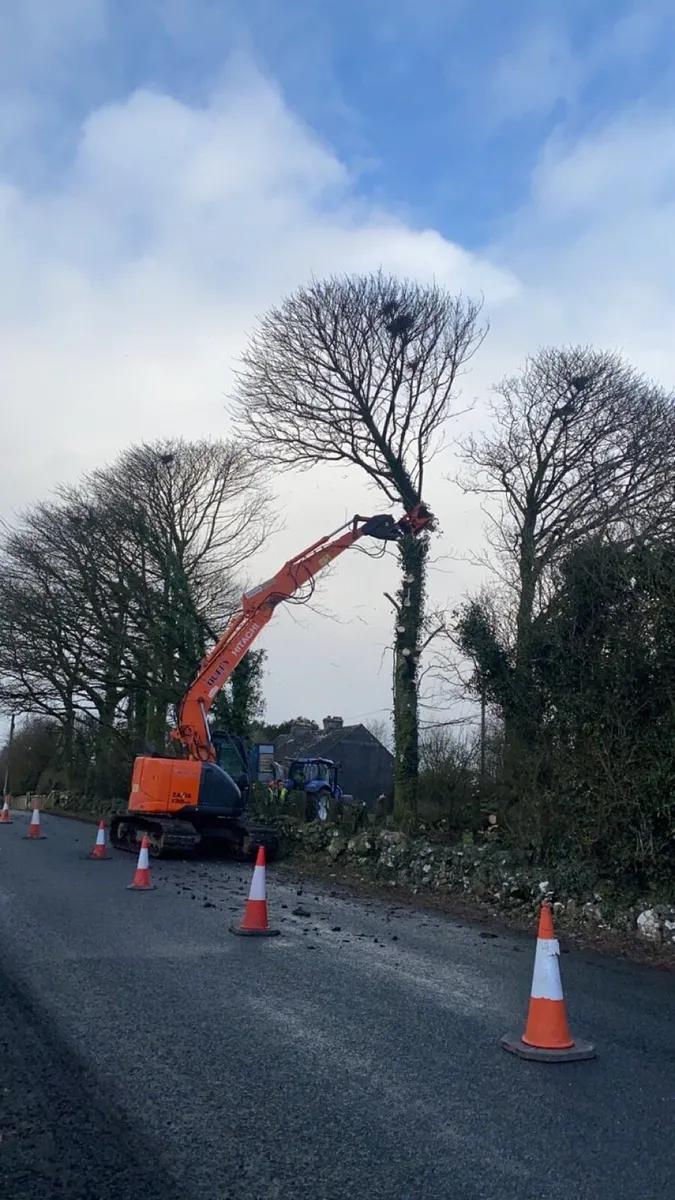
<point x="105" y="767"/>
<point x="68" y="743"/>
<point x="483" y="745"/>
<point x="522" y="720"/>
<point x="410" y="613"/>
<point x="103" y="774"/>
<point x="242" y="681"/>
<point x="138" y="716"/>
<point x="519" y="723"/>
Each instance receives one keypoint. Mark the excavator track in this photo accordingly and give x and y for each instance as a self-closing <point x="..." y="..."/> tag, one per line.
<point x="170" y="836"/>
<point x="165" y="837"/>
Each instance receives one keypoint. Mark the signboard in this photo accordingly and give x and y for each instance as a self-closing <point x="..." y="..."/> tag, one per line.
<point x="265" y="760"/>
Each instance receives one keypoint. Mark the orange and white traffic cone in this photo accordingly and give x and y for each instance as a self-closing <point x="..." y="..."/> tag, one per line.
<point x="547" y="1037"/>
<point x="34" y="829"/>
<point x="255" y="922"/>
<point x="100" y="850"/>
<point x="5" y="816"/>
<point x="141" y="881"/>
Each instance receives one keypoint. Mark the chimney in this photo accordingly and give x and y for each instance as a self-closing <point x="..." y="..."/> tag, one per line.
<point x="332" y="723"/>
<point x="301" y="728"/>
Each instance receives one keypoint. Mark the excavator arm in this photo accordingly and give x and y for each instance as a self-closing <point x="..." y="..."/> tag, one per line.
<point x="258" y="605"/>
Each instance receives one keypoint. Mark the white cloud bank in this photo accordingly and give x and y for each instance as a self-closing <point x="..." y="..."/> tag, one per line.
<point x="127" y="292"/>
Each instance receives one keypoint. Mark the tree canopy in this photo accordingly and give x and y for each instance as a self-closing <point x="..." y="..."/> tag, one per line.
<point x="111" y="593"/>
<point x="363" y="370"/>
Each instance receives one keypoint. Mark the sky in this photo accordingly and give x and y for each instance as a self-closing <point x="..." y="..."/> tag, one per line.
<point x="168" y="170"/>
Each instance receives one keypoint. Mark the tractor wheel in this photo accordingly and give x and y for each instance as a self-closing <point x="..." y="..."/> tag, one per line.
<point x="317" y="805"/>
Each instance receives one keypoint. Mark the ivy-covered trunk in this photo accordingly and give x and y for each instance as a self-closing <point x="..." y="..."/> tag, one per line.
<point x="525" y="753"/>
<point x="409" y="617"/>
<point x="247" y="692"/>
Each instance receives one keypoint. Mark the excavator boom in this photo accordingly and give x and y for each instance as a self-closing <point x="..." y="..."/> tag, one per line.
<point x="258" y="605"/>
<point x="180" y="803"/>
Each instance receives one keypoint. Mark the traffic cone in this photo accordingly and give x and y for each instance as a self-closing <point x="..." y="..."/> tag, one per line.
<point x="255" y="922"/>
<point x="34" y="829"/>
<point x="100" y="850"/>
<point x="141" y="881"/>
<point x="5" y="817"/>
<point x="547" y="1037"/>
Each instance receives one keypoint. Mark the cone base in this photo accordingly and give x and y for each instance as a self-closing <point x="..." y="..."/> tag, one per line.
<point x="581" y="1049"/>
<point x="30" y="837"/>
<point x="10" y="822"/>
<point x="141" y="887"/>
<point x="98" y="857"/>
<point x="254" y="932"/>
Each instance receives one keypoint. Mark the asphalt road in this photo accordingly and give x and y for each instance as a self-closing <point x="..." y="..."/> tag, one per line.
<point x="147" y="1052"/>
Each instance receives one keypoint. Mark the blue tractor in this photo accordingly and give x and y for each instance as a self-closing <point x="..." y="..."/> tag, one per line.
<point x="318" y="779"/>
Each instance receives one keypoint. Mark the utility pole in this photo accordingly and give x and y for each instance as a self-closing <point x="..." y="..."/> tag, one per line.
<point x="5" y="786"/>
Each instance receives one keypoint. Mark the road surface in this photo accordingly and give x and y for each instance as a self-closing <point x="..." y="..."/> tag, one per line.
<point x="147" y="1052"/>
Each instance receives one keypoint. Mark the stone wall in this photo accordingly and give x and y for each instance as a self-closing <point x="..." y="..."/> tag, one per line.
<point x="502" y="881"/>
<point x="65" y="802"/>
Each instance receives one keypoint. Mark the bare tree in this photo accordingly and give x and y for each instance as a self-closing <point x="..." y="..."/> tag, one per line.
<point x="380" y="727"/>
<point x="362" y="370"/>
<point x="110" y="594"/>
<point x="581" y="446"/>
<point x="44" y="643"/>
<point x="201" y="508"/>
<point x="197" y="512"/>
<point x="28" y="759"/>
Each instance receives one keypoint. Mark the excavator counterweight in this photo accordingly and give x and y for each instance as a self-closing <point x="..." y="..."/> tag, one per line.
<point x="180" y="804"/>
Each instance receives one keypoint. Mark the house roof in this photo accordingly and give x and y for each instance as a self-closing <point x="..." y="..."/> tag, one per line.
<point x="326" y="744"/>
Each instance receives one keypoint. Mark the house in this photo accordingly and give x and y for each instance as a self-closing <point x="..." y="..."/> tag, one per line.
<point x="366" y="766"/>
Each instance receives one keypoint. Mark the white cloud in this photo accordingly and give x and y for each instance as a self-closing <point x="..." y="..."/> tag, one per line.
<point x="534" y="75"/>
<point x="595" y="244"/>
<point x="128" y="290"/>
<point x="627" y="164"/>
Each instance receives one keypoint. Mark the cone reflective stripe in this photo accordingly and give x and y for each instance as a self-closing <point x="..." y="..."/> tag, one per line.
<point x="34" y="829"/>
<point x="547" y="1036"/>
<point x="141" y="881"/>
<point x="255" y="921"/>
<point x="99" y="850"/>
<point x="5" y="818"/>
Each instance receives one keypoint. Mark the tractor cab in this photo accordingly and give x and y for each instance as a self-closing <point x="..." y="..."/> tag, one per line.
<point x="314" y="775"/>
<point x="318" y="779"/>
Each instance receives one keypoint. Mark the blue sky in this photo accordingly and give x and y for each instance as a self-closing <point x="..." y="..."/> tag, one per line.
<point x="440" y="108"/>
<point x="169" y="169"/>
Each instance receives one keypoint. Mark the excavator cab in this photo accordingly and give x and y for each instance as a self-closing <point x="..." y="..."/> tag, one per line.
<point x="232" y="756"/>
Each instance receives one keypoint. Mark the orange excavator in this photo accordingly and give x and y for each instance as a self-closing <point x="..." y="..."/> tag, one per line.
<point x="181" y="803"/>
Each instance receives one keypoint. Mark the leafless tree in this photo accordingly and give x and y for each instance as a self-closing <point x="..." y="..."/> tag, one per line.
<point x="581" y="446"/>
<point x="380" y="728"/>
<point x="28" y="761"/>
<point x="197" y="512"/>
<point x="110" y="594"/>
<point x="201" y="508"/>
<point x="362" y="370"/>
<point x="42" y="645"/>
